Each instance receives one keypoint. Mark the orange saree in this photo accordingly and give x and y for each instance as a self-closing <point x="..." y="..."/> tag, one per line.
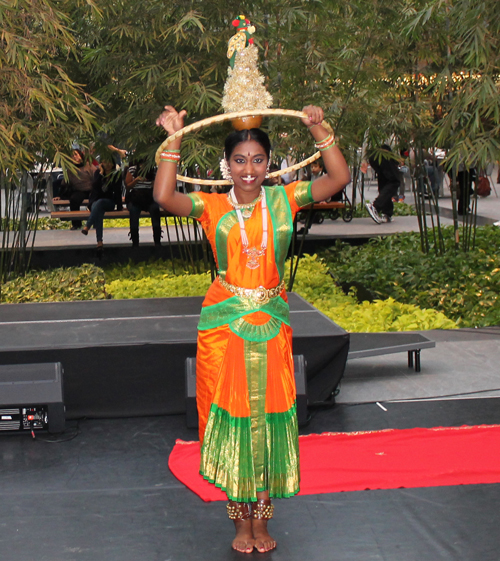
<point x="245" y="376"/>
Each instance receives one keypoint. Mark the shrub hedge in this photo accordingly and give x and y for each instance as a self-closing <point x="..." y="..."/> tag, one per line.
<point x="465" y="286"/>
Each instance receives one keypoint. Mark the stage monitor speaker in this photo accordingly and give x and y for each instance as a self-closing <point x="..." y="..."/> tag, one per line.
<point x="31" y="397"/>
<point x="300" y="366"/>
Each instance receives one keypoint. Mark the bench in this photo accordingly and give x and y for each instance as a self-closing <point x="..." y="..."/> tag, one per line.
<point x="325" y="206"/>
<point x="364" y="345"/>
<point x="65" y="202"/>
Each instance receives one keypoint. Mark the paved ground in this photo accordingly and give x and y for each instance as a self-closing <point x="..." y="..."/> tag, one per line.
<point x="488" y="211"/>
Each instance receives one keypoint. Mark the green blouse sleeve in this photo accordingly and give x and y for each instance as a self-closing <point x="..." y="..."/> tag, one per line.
<point x="302" y="195"/>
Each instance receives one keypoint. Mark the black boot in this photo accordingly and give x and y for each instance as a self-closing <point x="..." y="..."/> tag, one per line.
<point x="157" y="235"/>
<point x="134" y="236"/>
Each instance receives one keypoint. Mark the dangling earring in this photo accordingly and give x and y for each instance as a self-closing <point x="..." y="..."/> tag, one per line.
<point x="269" y="164"/>
<point x="224" y="169"/>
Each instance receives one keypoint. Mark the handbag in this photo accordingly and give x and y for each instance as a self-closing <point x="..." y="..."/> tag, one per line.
<point x="483" y="188"/>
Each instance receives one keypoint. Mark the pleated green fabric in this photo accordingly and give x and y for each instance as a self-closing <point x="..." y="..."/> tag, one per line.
<point x="229" y="451"/>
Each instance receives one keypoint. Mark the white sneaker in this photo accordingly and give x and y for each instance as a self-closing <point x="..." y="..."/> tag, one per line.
<point x="372" y="211"/>
<point x="386" y="218"/>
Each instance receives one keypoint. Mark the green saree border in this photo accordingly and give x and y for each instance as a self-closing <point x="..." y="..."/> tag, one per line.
<point x="281" y="217"/>
<point x="227" y="459"/>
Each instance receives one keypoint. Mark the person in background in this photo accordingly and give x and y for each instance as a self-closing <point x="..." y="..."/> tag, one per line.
<point x="388" y="179"/>
<point x="405" y="177"/>
<point x="139" y="185"/>
<point x="78" y="185"/>
<point x="106" y="195"/>
<point x="465" y="178"/>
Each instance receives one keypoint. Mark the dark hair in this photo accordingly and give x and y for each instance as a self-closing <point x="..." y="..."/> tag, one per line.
<point x="237" y="137"/>
<point x="80" y="153"/>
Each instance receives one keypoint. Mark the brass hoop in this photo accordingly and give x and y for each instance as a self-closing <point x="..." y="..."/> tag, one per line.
<point x="228" y="117"/>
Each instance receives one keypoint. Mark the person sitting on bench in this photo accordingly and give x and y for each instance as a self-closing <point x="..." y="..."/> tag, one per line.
<point x="105" y="195"/>
<point x="139" y="183"/>
<point x="78" y="185"/>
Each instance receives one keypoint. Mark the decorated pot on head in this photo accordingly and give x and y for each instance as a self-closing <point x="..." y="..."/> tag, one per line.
<point x="244" y="89"/>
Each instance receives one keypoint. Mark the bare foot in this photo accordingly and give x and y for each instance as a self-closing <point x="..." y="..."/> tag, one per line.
<point x="263" y="541"/>
<point x="244" y="540"/>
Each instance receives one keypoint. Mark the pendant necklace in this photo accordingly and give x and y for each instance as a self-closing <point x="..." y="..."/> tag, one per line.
<point x="252" y="252"/>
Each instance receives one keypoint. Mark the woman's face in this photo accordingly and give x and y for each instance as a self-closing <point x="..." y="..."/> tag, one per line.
<point x="248" y="165"/>
<point x="76" y="157"/>
<point x="107" y="166"/>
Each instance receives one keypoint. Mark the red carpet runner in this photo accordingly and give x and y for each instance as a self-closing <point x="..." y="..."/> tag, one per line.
<point x="390" y="459"/>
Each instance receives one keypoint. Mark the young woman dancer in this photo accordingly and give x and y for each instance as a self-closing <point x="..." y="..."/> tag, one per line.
<point x="245" y="375"/>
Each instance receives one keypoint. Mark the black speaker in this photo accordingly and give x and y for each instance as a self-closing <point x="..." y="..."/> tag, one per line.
<point x="31" y="397"/>
<point x="300" y="367"/>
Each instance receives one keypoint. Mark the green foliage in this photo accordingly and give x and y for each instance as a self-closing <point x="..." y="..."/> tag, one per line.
<point x="138" y="57"/>
<point x="136" y="271"/>
<point x="464" y="286"/>
<point x="125" y="223"/>
<point x="42" y="109"/>
<point x="315" y="285"/>
<point x="461" y="75"/>
<point x="157" y="280"/>
<point x="164" y="286"/>
<point x="46" y="223"/>
<point x="154" y="279"/>
<point x="57" y="285"/>
<point x="42" y="223"/>
<point x="400" y="209"/>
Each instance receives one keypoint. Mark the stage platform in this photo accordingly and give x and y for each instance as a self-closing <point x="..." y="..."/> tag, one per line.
<point x="107" y="494"/>
<point x="124" y="358"/>
<point x="103" y="489"/>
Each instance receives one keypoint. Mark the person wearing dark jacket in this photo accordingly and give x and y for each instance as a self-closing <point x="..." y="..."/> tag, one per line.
<point x="104" y="197"/>
<point x="79" y="184"/>
<point x="388" y="179"/>
<point x="139" y="185"/>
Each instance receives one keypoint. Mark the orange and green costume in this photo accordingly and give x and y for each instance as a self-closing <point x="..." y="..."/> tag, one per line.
<point x="244" y="367"/>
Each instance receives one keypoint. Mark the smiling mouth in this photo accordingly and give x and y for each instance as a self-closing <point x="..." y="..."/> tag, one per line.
<point x="249" y="178"/>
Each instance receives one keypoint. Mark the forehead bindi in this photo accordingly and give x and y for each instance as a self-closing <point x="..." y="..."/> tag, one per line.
<point x="249" y="149"/>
